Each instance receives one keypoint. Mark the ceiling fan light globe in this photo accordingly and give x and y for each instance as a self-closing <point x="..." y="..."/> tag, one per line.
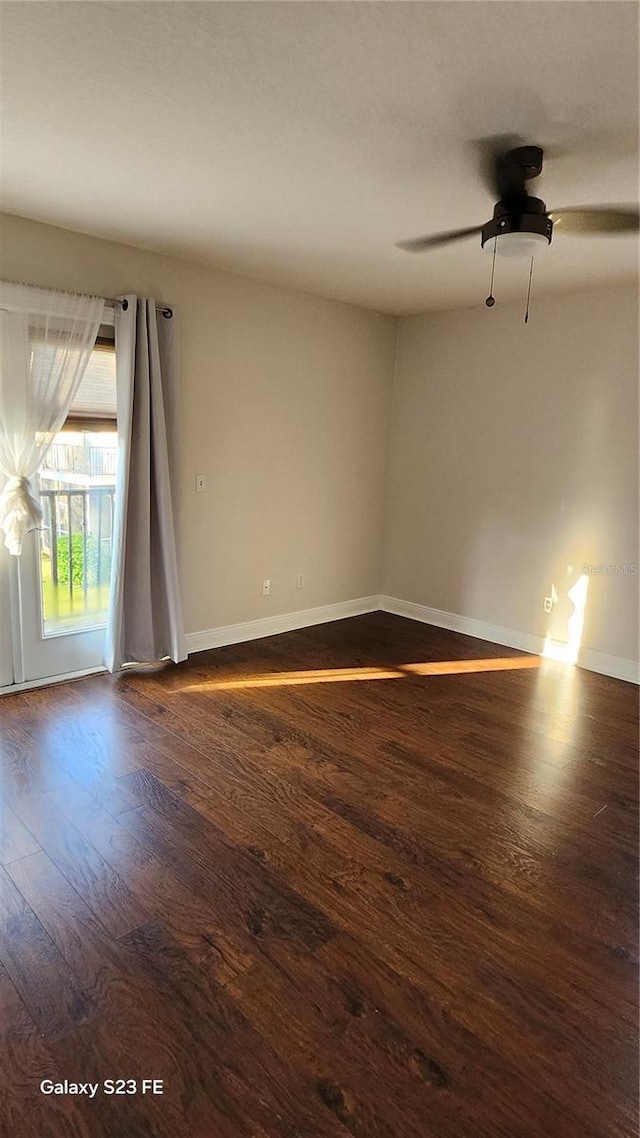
<point x="517" y="244"/>
<point x="521" y="230"/>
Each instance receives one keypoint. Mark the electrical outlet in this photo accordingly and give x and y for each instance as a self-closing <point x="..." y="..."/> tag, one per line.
<point x="266" y="586"/>
<point x="200" y="483"/>
<point x="551" y="601"/>
<point x="300" y="581"/>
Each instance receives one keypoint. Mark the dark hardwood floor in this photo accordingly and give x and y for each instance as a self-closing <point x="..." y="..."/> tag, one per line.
<point x="319" y="891"/>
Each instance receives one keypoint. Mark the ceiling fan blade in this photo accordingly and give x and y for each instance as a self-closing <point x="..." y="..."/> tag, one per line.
<point x="599" y="219"/>
<point x="419" y="244"/>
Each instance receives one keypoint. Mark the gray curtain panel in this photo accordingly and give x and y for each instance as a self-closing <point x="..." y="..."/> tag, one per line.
<point x="145" y="614"/>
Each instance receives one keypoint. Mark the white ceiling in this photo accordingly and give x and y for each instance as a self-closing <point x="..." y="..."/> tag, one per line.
<point x="297" y="142"/>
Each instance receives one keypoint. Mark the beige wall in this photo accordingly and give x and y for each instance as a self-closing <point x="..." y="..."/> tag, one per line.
<point x="514" y="455"/>
<point x="513" y="448"/>
<point x="283" y="403"/>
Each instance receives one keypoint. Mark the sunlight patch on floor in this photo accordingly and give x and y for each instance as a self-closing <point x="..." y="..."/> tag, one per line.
<point x="350" y="675"/>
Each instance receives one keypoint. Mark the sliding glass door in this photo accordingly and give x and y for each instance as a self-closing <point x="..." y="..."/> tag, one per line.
<point x="58" y="589"/>
<point x="68" y="642"/>
<point x="65" y="567"/>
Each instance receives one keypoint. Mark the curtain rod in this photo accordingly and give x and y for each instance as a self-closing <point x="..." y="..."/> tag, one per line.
<point x="110" y="302"/>
<point x="124" y="304"/>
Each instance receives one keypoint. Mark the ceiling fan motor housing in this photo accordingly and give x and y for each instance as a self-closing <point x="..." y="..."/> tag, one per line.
<point x="530" y="216"/>
<point x="515" y="167"/>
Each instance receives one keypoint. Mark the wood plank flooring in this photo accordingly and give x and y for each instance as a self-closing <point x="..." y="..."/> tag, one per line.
<point x="370" y="879"/>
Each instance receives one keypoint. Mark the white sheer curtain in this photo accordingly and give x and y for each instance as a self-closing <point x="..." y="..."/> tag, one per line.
<point x="46" y="339"/>
<point x="145" y="614"/>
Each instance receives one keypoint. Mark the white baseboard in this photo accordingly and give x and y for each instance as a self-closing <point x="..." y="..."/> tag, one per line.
<point x="273" y="625"/>
<point x="495" y="633"/>
<point x="615" y="666"/>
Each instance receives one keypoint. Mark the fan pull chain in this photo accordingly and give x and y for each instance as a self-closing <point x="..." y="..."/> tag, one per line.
<point x="490" y="301"/>
<point x="526" y="311"/>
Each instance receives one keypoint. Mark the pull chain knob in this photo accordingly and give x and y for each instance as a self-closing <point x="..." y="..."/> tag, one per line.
<point x="490" y="301"/>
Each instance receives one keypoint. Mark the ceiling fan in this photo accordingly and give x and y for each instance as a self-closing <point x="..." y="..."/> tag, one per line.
<point x="521" y="224"/>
